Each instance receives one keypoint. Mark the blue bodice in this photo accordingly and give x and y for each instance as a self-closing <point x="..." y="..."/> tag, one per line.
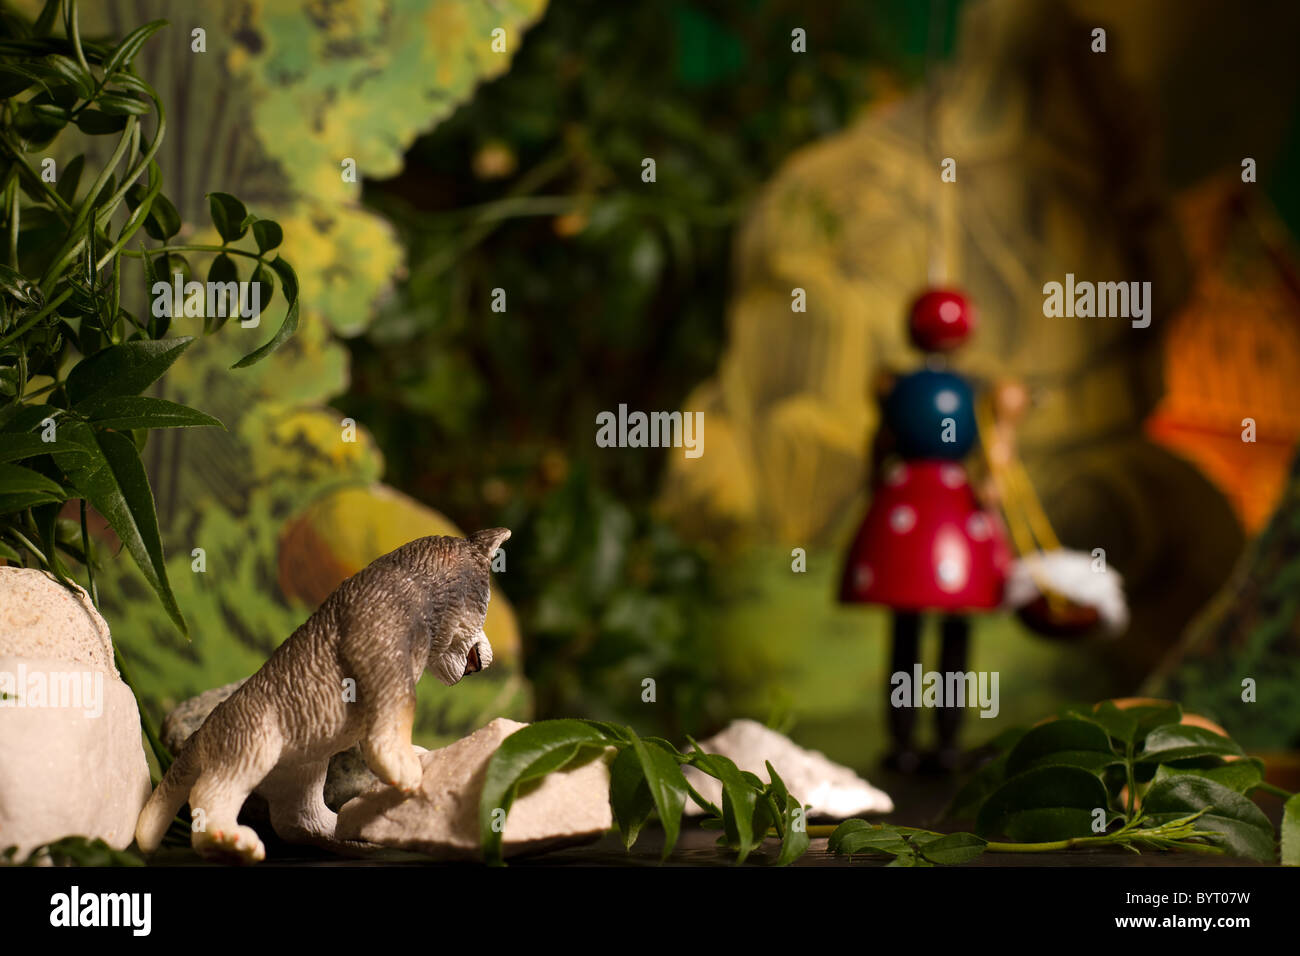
<point x="932" y="415"/>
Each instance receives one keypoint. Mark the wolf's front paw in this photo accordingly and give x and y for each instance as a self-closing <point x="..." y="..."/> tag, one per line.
<point x="230" y="845"/>
<point x="398" y="765"/>
<point x="410" y="772"/>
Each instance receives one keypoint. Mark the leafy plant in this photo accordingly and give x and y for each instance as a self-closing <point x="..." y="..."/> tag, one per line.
<point x="611" y="595"/>
<point x="72" y="851"/>
<point x="79" y="345"/>
<point x="645" y="777"/>
<point x="1146" y="778"/>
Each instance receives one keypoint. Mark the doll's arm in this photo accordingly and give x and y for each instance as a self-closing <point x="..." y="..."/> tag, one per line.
<point x="1010" y="402"/>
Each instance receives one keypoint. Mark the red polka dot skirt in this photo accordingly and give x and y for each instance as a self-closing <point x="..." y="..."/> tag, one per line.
<point x="926" y="544"/>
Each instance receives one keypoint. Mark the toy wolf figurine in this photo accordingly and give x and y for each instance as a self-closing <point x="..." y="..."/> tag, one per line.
<point x="347" y="674"/>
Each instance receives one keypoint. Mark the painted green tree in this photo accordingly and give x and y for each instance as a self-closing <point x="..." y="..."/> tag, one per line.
<point x="291" y="105"/>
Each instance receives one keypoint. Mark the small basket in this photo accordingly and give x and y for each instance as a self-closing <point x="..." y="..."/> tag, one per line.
<point x="1058" y="618"/>
<point x="1054" y="591"/>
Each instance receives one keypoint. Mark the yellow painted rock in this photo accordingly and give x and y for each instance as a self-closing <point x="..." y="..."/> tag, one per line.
<point x="343" y="531"/>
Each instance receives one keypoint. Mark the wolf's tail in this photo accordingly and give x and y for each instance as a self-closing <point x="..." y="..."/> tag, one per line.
<point x="174" y="790"/>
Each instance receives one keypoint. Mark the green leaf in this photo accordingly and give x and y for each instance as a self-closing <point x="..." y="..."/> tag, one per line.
<point x="222" y="270"/>
<point x="267" y="234"/>
<point x="52" y="111"/>
<point x="15" y="479"/>
<point x="777" y="785"/>
<point x="122" y="104"/>
<point x="528" y="754"/>
<point x="22" y="290"/>
<point x="263" y="276"/>
<point x="162" y="221"/>
<point x="1238" y="824"/>
<point x="909" y="857"/>
<point x="228" y="215"/>
<point x="24" y="418"/>
<point x="90" y="254"/>
<point x="1070" y="793"/>
<point x="1065" y="734"/>
<point x="663" y="777"/>
<point x="738" y="799"/>
<point x="629" y="795"/>
<point x="13" y="80"/>
<point x="78" y="851"/>
<point x="15" y="447"/>
<point x="22" y="500"/>
<point x="126" y="369"/>
<point x="150" y="272"/>
<point x="107" y="472"/>
<point x="34" y="130"/>
<point x="1184" y="742"/>
<point x="289" y="281"/>
<point x="1091" y="760"/>
<point x="954" y="849"/>
<point x="854" y="825"/>
<point x="977" y="789"/>
<point x="130" y="46"/>
<point x="660" y="743"/>
<point x="1117" y="723"/>
<point x="68" y="70"/>
<point x="125" y="412"/>
<point x="1046" y="824"/>
<point x="99" y="123"/>
<point x="1239" y="775"/>
<point x="765" y="818"/>
<point x="859" y="836"/>
<point x="792" y="815"/>
<point x="135" y="84"/>
<point x="613" y="732"/>
<point x="1291" y="831"/>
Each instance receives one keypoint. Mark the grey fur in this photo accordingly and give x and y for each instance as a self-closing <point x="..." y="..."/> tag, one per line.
<point x="419" y="607"/>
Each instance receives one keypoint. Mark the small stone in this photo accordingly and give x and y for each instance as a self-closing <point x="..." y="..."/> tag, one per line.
<point x="348" y="776"/>
<point x="189" y="715"/>
<point x="440" y="820"/>
<point x="829" y="789"/>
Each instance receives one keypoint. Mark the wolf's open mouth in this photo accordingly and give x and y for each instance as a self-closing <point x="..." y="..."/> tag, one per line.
<point x="472" y="663"/>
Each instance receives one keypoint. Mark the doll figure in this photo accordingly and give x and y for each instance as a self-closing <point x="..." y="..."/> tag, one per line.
<point x="931" y="541"/>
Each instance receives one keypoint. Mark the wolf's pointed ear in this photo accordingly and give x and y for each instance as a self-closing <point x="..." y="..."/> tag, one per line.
<point x="489" y="539"/>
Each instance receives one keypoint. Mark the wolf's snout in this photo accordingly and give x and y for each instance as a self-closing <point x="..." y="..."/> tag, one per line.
<point x="479" y="656"/>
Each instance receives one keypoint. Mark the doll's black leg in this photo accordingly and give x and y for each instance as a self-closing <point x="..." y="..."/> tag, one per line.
<point x="952" y="660"/>
<point x="902" y="720"/>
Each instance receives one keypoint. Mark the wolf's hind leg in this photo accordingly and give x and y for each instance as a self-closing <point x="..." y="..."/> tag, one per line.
<point x="218" y="795"/>
<point x="296" y="794"/>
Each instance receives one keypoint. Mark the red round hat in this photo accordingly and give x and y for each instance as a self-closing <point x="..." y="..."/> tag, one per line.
<point x="940" y="320"/>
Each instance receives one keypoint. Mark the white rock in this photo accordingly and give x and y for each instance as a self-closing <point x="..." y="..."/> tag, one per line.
<point x="39" y="617"/>
<point x="71" y="758"/>
<point x="830" y="789"/>
<point x="441" y="818"/>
